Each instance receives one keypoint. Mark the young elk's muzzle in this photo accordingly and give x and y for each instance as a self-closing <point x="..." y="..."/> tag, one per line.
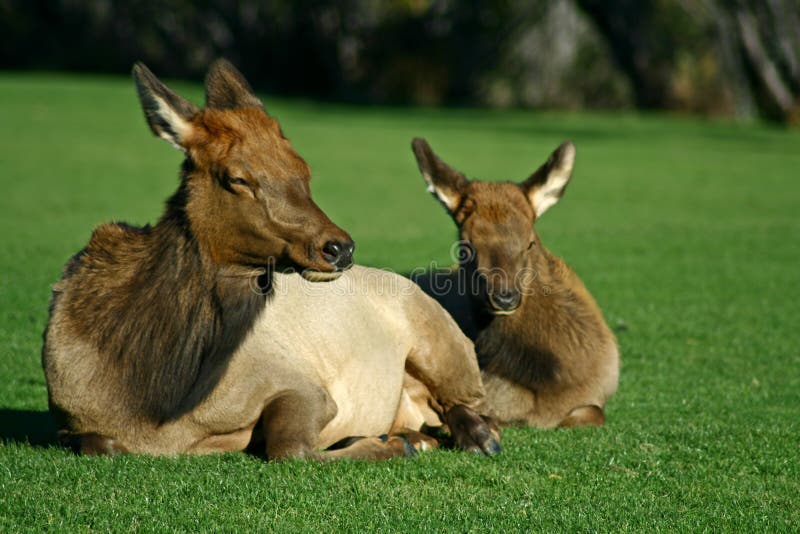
<point x="495" y="276"/>
<point x="505" y="301"/>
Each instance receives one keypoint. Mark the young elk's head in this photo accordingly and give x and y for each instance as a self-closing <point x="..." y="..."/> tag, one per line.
<point x="495" y="222"/>
<point x="246" y="190"/>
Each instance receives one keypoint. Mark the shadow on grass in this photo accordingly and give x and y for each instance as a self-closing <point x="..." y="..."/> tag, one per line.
<point x="29" y="427"/>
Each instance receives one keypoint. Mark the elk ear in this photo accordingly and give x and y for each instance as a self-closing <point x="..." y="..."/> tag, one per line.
<point x="545" y="187"/>
<point x="168" y="114"/>
<point x="446" y="184"/>
<point x="226" y="88"/>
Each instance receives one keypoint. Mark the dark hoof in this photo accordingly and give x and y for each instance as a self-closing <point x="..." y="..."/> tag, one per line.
<point x="471" y="432"/>
<point x="419" y="440"/>
<point x="493" y="448"/>
<point x="489" y="448"/>
<point x="408" y="448"/>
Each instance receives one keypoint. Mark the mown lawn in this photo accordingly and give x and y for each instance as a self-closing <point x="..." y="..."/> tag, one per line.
<point x="686" y="232"/>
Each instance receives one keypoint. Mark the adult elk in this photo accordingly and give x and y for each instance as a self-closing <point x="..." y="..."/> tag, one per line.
<point x="547" y="357"/>
<point x="187" y="336"/>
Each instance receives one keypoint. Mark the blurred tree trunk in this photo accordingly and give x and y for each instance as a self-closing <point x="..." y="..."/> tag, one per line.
<point x="740" y="56"/>
<point x="769" y="33"/>
<point x="628" y="27"/>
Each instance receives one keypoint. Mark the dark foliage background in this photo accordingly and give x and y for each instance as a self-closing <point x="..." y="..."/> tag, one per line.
<point x="732" y="57"/>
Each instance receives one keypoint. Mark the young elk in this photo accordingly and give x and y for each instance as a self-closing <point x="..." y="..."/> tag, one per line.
<point x="548" y="359"/>
<point x="186" y="336"/>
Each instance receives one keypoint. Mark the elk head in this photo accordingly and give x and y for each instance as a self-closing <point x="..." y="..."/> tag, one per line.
<point x="500" y="248"/>
<point x="245" y="189"/>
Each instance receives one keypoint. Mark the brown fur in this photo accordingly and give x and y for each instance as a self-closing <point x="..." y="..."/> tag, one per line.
<point x="172" y="338"/>
<point x="545" y="350"/>
<point x="145" y="299"/>
<point x="168" y="304"/>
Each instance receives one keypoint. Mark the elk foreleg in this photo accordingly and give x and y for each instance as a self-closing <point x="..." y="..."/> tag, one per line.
<point x="292" y="423"/>
<point x="450" y="372"/>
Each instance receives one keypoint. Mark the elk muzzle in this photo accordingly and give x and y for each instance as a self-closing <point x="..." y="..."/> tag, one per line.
<point x="333" y="255"/>
<point x="339" y="253"/>
<point x="505" y="301"/>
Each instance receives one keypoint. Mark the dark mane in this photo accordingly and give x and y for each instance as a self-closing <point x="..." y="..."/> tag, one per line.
<point x="163" y="314"/>
<point x="506" y="348"/>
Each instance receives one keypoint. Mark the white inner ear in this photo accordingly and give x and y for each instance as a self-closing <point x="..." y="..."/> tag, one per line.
<point x="177" y="124"/>
<point x="550" y="192"/>
<point x="449" y="200"/>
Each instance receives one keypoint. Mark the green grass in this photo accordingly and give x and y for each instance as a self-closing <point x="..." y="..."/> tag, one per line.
<point x="685" y="231"/>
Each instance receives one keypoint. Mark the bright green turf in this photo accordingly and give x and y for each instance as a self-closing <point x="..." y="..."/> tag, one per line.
<point x="685" y="231"/>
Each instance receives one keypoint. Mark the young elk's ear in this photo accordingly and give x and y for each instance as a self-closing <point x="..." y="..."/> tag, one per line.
<point x="226" y="88"/>
<point x="446" y="184"/>
<point x="545" y="187"/>
<point x="168" y="115"/>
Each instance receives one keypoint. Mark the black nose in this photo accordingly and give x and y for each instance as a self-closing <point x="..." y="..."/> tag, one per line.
<point x="506" y="300"/>
<point x="338" y="253"/>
